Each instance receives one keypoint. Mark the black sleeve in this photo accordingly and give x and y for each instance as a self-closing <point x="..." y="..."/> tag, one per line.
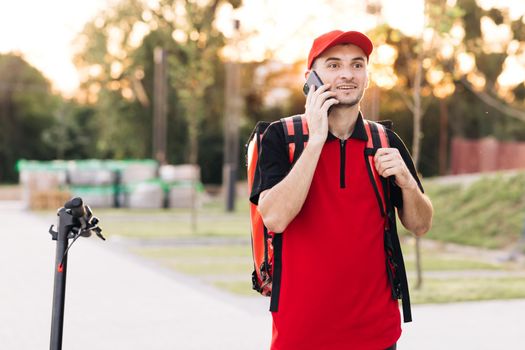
<point x="395" y="194"/>
<point x="274" y="164"/>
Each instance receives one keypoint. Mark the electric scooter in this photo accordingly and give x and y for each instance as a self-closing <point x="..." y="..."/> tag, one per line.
<point x="75" y="220"/>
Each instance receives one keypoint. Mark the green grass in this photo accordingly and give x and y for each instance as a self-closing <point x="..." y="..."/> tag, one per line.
<point x="185" y="252"/>
<point x="212" y="220"/>
<point x="212" y="260"/>
<point x="237" y="287"/>
<point x="229" y="267"/>
<point x="464" y="289"/>
<point x="434" y="263"/>
<point x="227" y="225"/>
<point x="210" y="268"/>
<point x="488" y="213"/>
<point x="433" y="291"/>
<point x="438" y="259"/>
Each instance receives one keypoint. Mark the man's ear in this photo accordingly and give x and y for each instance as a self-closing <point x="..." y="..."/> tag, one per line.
<point x="306" y="74"/>
<point x="368" y="76"/>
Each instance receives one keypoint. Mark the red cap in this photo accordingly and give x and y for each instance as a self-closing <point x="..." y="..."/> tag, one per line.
<point x="336" y="37"/>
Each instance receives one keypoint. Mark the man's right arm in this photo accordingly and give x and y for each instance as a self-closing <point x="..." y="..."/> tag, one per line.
<point x="280" y="204"/>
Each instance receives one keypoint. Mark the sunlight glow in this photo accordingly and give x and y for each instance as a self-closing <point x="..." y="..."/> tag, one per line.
<point x="477" y="80"/>
<point x="516" y="8"/>
<point x="446" y="51"/>
<point x="385" y="55"/>
<point x="43" y="31"/>
<point x="434" y="76"/>
<point x="139" y="31"/>
<point x="284" y="28"/>
<point x="179" y="36"/>
<point x="384" y="77"/>
<point x="513" y="74"/>
<point x="467" y="62"/>
<point x="496" y="37"/>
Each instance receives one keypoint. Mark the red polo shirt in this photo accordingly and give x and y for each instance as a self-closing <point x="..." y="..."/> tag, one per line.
<point x="334" y="292"/>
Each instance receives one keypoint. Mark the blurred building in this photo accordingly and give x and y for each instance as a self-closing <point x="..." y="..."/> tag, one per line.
<point x="484" y="155"/>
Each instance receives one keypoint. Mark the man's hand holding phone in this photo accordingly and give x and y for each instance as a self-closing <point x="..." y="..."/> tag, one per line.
<point x="318" y="101"/>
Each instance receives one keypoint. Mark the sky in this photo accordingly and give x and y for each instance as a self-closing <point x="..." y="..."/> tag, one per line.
<point x="292" y="35"/>
<point x="42" y="31"/>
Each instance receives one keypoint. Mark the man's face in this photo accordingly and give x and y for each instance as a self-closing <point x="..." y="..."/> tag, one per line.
<point x="345" y="68"/>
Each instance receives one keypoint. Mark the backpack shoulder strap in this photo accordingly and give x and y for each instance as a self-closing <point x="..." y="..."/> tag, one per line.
<point x="377" y="138"/>
<point x="296" y="135"/>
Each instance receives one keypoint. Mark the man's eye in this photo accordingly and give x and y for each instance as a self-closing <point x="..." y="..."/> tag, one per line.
<point x="332" y="65"/>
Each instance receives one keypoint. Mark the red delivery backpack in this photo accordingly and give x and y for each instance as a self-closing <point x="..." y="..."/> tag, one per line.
<point x="266" y="245"/>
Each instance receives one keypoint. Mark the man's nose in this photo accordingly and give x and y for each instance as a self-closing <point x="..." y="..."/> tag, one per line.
<point x="346" y="73"/>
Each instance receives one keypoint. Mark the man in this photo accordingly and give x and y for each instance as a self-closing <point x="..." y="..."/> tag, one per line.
<point x="327" y="211"/>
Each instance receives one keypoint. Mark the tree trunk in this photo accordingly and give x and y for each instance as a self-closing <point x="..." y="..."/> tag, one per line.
<point x="416" y="137"/>
<point x="416" y="149"/>
<point x="443" y="137"/>
<point x="193" y="159"/>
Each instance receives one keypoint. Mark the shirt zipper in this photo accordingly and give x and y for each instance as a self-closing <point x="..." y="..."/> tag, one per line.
<point x="342" y="181"/>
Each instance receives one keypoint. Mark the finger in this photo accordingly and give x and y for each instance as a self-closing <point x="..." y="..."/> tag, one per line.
<point x="310" y="94"/>
<point x="390" y="169"/>
<point x="325" y="95"/>
<point x="322" y="88"/>
<point x="322" y="98"/>
<point x="389" y="165"/>
<point x="327" y="104"/>
<point x="387" y="154"/>
<point x="380" y="159"/>
<point x="393" y="165"/>
<point x="381" y="151"/>
<point x="387" y="173"/>
<point x="384" y="151"/>
<point x="384" y="157"/>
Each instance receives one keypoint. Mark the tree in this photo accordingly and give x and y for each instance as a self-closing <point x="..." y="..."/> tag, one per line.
<point x="115" y="58"/>
<point x="27" y="108"/>
<point x="73" y="133"/>
<point x="489" y="57"/>
<point x="112" y="80"/>
<point x="455" y="63"/>
<point x="419" y="69"/>
<point x="192" y="69"/>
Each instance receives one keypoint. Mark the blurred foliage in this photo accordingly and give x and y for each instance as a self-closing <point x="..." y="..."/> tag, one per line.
<point x="112" y="116"/>
<point x="121" y="87"/>
<point x="72" y="137"/>
<point x="27" y="108"/>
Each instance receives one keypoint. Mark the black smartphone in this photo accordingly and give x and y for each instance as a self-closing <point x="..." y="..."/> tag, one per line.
<point x="313" y="79"/>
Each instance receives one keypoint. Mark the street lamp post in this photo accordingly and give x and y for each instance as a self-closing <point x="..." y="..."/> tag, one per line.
<point x="232" y="114"/>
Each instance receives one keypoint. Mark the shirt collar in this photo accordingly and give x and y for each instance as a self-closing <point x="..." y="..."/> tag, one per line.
<point x="359" y="132"/>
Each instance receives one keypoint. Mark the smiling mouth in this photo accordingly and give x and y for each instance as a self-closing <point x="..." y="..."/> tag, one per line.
<point x="346" y="87"/>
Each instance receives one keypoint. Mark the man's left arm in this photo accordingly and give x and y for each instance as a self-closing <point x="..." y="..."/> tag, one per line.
<point x="416" y="211"/>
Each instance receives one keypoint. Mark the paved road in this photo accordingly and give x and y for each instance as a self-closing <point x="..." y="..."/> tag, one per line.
<point x="118" y="301"/>
<point x="114" y="301"/>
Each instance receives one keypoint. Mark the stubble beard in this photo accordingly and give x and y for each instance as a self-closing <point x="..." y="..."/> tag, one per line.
<point x="350" y="103"/>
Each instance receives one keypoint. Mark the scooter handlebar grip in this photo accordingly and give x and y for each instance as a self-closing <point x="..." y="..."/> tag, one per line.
<point x="76" y="205"/>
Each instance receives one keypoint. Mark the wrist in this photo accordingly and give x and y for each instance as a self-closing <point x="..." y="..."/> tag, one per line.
<point x="410" y="186"/>
<point x="315" y="143"/>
